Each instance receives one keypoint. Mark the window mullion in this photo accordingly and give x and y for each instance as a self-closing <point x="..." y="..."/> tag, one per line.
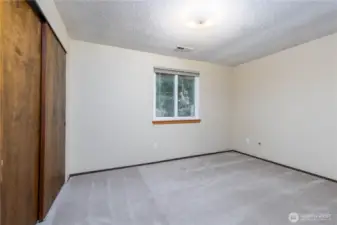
<point x="196" y="97"/>
<point x="176" y="96"/>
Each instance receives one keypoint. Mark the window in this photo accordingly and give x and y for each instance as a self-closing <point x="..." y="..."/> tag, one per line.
<point x="176" y="96"/>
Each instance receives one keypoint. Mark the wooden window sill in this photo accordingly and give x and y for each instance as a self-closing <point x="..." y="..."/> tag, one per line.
<point x="162" y="122"/>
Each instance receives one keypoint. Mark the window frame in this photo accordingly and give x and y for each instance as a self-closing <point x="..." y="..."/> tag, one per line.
<point x="176" y="118"/>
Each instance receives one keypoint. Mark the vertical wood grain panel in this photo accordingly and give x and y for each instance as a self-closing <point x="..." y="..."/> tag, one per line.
<point x="53" y="119"/>
<point x="1" y="96"/>
<point x="20" y="108"/>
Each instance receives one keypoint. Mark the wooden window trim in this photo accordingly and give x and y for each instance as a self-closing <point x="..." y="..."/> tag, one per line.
<point x="163" y="122"/>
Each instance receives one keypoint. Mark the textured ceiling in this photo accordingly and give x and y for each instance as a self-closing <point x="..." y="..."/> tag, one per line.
<point x="239" y="31"/>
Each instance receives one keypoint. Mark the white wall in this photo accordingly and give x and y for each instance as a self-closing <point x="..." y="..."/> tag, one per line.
<point x="288" y="102"/>
<point x="53" y="17"/>
<point x="110" y="99"/>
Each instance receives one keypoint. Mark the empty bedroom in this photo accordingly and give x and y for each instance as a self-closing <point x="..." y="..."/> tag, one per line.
<point x="168" y="112"/>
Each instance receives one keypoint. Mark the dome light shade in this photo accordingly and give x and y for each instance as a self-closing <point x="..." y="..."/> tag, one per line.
<point x="199" y="24"/>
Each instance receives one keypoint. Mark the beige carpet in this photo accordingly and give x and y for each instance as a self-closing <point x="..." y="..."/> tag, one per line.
<point x="221" y="189"/>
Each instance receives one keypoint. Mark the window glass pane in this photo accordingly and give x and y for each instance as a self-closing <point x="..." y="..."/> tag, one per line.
<point x="164" y="95"/>
<point x="186" y="98"/>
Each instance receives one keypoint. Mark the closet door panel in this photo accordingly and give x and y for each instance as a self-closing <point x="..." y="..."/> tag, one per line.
<point x="53" y="117"/>
<point x="20" y="112"/>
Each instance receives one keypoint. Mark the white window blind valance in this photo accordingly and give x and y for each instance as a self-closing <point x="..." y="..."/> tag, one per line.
<point x="176" y="72"/>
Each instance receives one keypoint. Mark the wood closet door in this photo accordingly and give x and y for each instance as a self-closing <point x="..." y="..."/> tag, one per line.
<point x="53" y="119"/>
<point x="20" y="75"/>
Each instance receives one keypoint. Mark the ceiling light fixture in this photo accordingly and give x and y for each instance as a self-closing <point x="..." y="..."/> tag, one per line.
<point x="199" y="24"/>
